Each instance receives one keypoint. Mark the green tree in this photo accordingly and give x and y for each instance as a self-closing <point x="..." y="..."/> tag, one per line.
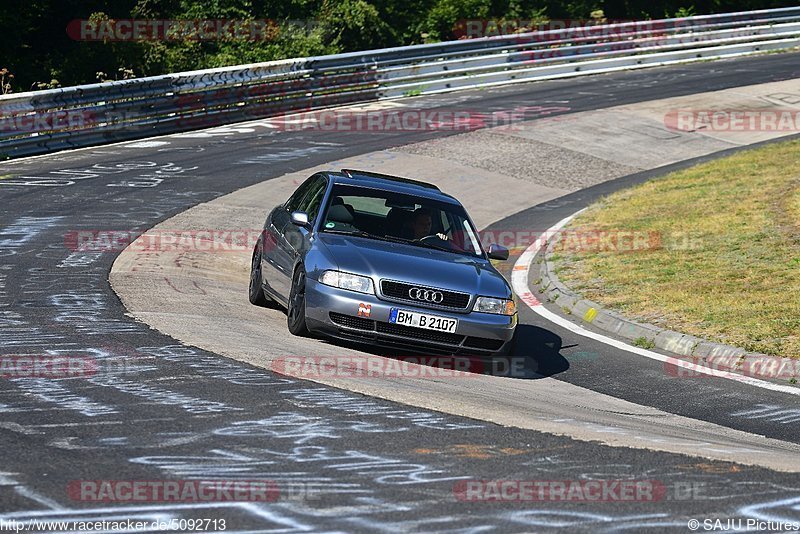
<point x="440" y="20"/>
<point x="353" y="25"/>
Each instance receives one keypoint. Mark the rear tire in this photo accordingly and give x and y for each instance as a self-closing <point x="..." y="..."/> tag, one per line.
<point x="256" y="293"/>
<point x="296" y="312"/>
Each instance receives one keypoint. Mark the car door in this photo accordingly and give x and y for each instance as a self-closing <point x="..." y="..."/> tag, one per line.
<point x="296" y="239"/>
<point x="274" y="260"/>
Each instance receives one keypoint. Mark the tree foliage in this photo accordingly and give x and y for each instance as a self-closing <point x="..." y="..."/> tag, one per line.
<point x="36" y="49"/>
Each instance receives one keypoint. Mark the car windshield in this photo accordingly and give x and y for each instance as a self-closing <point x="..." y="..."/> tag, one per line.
<point x="398" y="217"/>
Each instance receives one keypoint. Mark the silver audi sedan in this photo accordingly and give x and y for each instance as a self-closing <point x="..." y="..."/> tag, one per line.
<point x="373" y="258"/>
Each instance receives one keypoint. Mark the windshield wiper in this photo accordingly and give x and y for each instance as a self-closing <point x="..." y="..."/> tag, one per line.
<point x="362" y="233"/>
<point x="449" y="247"/>
<point x="434" y="246"/>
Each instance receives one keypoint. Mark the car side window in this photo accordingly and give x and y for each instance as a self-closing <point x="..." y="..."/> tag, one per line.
<point x="313" y="200"/>
<point x="295" y="201"/>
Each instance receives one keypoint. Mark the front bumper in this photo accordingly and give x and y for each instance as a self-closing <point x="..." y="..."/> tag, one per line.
<point x="335" y="312"/>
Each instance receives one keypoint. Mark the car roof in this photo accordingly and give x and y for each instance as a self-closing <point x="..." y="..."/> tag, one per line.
<point x="390" y="183"/>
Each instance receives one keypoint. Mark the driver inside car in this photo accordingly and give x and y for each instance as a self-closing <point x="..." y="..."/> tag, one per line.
<point x="422" y="223"/>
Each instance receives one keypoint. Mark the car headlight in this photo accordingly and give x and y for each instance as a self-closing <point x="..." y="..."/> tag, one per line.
<point x="352" y="282"/>
<point x="494" y="305"/>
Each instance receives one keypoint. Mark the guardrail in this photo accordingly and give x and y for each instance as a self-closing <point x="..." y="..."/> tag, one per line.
<point x="46" y="121"/>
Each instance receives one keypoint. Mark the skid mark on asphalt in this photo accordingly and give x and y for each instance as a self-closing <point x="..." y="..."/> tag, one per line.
<point x="771" y="412"/>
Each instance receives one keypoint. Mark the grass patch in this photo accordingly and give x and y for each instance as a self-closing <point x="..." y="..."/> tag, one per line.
<point x="644" y="343"/>
<point x="726" y="265"/>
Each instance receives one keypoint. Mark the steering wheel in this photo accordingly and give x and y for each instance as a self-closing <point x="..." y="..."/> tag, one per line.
<point x="433" y="238"/>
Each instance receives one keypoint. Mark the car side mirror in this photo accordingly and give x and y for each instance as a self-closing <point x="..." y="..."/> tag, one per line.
<point x="497" y="252"/>
<point x="300" y="218"/>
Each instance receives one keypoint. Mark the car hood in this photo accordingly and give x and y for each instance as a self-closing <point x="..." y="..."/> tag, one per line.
<point x="416" y="265"/>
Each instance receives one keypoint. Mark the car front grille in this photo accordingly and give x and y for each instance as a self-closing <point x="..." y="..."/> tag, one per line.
<point x="399" y="290"/>
<point x="352" y="322"/>
<point x="419" y="333"/>
<point x="483" y="343"/>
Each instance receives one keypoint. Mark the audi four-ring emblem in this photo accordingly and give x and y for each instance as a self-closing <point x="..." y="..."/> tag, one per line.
<point x="428" y="295"/>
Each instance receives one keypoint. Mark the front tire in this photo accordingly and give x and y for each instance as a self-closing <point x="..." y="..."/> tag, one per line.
<point x="296" y="313"/>
<point x="256" y="293"/>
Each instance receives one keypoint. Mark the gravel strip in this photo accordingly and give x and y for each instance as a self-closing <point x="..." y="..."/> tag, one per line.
<point x="525" y="159"/>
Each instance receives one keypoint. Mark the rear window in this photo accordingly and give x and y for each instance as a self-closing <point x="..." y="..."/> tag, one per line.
<point x="370" y="205"/>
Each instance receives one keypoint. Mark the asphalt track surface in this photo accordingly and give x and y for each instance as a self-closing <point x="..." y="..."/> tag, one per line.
<point x="343" y="462"/>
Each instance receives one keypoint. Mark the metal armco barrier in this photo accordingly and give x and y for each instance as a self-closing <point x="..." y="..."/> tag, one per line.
<point x="46" y="121"/>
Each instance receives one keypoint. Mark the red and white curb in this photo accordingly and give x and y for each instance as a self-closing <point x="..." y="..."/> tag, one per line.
<point x="519" y="282"/>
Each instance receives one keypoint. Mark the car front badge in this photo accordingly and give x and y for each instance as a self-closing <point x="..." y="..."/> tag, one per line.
<point x="364" y="309"/>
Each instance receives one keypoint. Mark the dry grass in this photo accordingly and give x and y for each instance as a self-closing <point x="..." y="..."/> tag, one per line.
<point x="729" y="267"/>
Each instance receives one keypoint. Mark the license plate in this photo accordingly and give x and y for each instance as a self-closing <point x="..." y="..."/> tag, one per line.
<point x="423" y="320"/>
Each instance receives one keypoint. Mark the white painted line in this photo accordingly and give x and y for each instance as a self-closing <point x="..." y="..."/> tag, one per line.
<point x="519" y="282"/>
<point x="41" y="499"/>
<point x="146" y="144"/>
